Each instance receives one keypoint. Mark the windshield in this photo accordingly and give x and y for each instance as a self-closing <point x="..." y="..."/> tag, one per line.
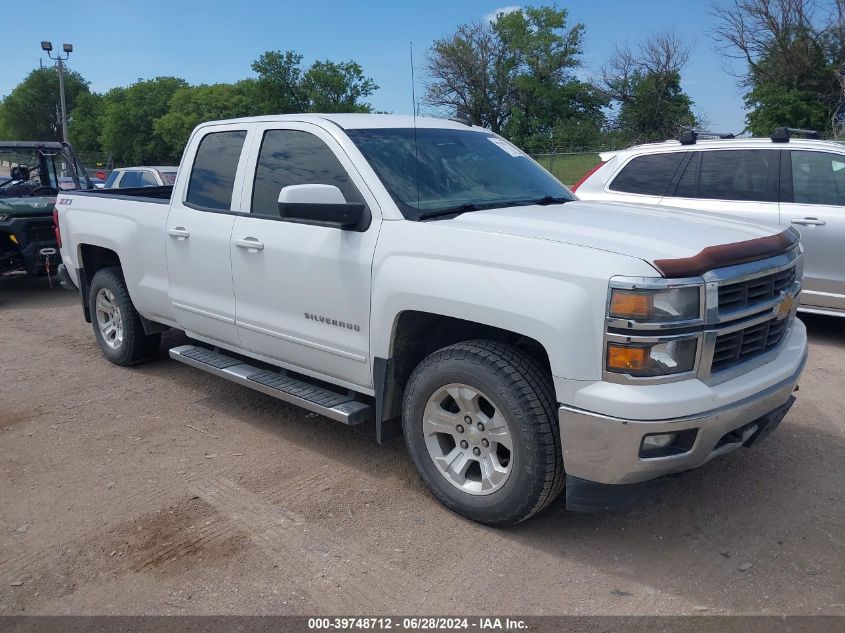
<point x="458" y="170"/>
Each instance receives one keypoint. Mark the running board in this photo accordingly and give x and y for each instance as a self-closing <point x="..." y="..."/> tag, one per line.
<point x="338" y="406"/>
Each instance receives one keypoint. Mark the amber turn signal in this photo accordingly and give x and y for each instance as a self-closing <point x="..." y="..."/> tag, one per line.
<point x="631" y="305"/>
<point x="621" y="358"/>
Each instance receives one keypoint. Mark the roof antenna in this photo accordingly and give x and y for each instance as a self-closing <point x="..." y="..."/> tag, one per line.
<point x="414" y="113"/>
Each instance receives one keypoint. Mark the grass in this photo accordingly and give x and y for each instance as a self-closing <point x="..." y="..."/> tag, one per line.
<point x="568" y="168"/>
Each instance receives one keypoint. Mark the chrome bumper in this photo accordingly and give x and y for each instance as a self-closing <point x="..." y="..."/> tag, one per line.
<point x="606" y="450"/>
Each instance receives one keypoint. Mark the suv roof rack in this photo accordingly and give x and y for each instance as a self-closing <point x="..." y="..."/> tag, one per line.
<point x="782" y="134"/>
<point x="689" y="137"/>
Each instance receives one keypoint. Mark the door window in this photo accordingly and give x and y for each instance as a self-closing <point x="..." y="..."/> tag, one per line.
<point x="649" y="174"/>
<point x="742" y="175"/>
<point x="818" y="178"/>
<point x="292" y="157"/>
<point x="213" y="175"/>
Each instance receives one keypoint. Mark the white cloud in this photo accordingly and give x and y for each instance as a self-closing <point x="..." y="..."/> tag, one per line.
<point x="491" y="17"/>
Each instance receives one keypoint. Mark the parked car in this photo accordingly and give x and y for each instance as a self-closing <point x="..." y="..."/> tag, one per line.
<point x="131" y="177"/>
<point x="429" y="277"/>
<point x="783" y="181"/>
<point x="27" y="199"/>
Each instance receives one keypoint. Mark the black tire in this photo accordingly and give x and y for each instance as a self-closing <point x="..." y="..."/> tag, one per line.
<point x="136" y="346"/>
<point x="522" y="392"/>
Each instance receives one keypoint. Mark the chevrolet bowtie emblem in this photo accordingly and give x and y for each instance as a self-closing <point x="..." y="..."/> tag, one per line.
<point x="784" y="307"/>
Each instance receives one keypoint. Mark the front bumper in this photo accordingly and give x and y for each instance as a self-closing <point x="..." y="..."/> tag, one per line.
<point x="605" y="450"/>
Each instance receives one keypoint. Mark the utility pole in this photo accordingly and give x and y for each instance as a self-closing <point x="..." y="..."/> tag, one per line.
<point x="68" y="49"/>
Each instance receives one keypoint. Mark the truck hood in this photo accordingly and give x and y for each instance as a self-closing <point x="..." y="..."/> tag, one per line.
<point x="19" y="207"/>
<point x="645" y="232"/>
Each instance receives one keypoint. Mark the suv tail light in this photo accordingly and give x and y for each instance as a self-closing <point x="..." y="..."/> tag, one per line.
<point x="587" y="175"/>
<point x="56" y="229"/>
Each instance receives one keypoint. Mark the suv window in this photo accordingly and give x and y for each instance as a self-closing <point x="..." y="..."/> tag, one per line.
<point x="215" y="165"/>
<point x="818" y="178"/>
<point x="291" y="157"/>
<point x="649" y="174"/>
<point x="110" y="180"/>
<point x="130" y="179"/>
<point x="739" y="174"/>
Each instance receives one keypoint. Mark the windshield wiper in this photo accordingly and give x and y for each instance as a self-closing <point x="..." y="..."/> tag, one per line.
<point x="545" y="200"/>
<point x="456" y="210"/>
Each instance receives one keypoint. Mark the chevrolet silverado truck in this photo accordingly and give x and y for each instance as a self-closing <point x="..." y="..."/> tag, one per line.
<point x="427" y="277"/>
<point x="30" y="178"/>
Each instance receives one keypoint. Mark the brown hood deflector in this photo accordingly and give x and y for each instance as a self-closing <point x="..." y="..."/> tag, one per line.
<point x="727" y="255"/>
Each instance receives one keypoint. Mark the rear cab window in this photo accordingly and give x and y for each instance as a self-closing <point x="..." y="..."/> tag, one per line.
<point x="213" y="174"/>
<point x="649" y="174"/>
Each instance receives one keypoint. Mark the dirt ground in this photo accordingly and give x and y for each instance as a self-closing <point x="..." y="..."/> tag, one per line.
<point x="163" y="490"/>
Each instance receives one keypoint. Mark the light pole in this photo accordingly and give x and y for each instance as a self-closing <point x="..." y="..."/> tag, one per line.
<point x="47" y="47"/>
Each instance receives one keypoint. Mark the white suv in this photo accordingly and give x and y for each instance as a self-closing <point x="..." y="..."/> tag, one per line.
<point x="780" y="181"/>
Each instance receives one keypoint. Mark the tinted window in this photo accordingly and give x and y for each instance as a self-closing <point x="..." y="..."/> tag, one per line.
<point x="818" y="178"/>
<point x="440" y="169"/>
<point x="131" y="179"/>
<point x="112" y="177"/>
<point x="213" y="174"/>
<point x="148" y="180"/>
<point x="649" y="174"/>
<point x="741" y="175"/>
<point x="291" y="157"/>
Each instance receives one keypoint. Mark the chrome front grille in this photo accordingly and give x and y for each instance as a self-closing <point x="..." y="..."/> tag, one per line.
<point x="759" y="290"/>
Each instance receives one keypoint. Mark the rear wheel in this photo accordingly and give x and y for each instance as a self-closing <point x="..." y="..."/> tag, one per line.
<point x="117" y="324"/>
<point x="480" y="423"/>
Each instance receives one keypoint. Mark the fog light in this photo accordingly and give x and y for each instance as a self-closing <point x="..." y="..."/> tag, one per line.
<point x="651" y="442"/>
<point x="666" y="444"/>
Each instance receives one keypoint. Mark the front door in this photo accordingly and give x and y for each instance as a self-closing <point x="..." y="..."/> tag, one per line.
<point x="813" y="201"/>
<point x="198" y="230"/>
<point x="303" y="291"/>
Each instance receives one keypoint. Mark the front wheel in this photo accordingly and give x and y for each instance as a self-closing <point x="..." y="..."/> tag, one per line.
<point x="117" y="324"/>
<point x="480" y="423"/>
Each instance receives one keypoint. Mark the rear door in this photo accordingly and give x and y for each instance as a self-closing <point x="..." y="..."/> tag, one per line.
<point x="742" y="183"/>
<point x="199" y="227"/>
<point x="303" y="290"/>
<point x="813" y="201"/>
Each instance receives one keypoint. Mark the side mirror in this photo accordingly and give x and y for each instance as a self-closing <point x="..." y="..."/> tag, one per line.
<point x="323" y="205"/>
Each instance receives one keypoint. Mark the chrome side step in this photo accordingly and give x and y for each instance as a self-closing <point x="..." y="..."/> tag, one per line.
<point x="338" y="406"/>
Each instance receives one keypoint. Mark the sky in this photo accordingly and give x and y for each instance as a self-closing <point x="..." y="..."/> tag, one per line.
<point x="117" y="43"/>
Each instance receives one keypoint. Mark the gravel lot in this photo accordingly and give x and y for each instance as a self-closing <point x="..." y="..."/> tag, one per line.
<point x="162" y="490"/>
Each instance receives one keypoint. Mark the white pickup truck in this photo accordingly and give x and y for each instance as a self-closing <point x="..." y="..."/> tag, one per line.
<point x="430" y="279"/>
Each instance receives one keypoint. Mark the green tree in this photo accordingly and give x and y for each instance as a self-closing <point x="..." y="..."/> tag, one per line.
<point x="31" y="111"/>
<point x="279" y="84"/>
<point x="793" y="56"/>
<point x="85" y="121"/>
<point x="128" y="128"/>
<point x="337" y="87"/>
<point x="191" y="105"/>
<point x="515" y="76"/>
<point x="645" y="85"/>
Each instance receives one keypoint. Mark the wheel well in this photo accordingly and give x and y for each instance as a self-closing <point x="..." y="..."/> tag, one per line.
<point x="93" y="258"/>
<point x="96" y="257"/>
<point x="418" y="334"/>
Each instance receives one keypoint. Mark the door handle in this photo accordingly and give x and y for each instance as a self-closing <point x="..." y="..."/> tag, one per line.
<point x="250" y="243"/>
<point x="179" y="232"/>
<point x="808" y="221"/>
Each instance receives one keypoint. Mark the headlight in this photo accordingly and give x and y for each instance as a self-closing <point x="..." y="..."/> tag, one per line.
<point x="645" y="360"/>
<point x="656" y="306"/>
